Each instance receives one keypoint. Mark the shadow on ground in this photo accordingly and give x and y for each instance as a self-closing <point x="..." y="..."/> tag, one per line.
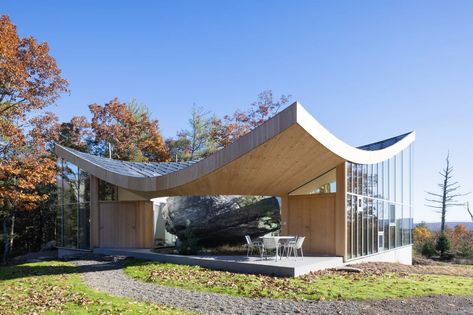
<point x="24" y="270"/>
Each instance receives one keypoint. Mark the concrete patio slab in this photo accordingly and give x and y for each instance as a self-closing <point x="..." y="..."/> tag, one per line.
<point x="284" y="267"/>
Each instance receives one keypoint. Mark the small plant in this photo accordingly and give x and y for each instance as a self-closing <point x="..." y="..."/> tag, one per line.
<point x="443" y="245"/>
<point x="427" y="249"/>
<point x="465" y="249"/>
<point x="188" y="245"/>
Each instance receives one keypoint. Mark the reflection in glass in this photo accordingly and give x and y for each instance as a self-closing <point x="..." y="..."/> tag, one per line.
<point x="323" y="184"/>
<point x="379" y="199"/>
<point x="73" y="206"/>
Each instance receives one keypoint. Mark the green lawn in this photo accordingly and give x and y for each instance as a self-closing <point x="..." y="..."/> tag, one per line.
<point x="326" y="286"/>
<point x="56" y="287"/>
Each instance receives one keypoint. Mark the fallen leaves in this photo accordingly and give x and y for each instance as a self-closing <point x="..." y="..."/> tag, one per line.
<point x="377" y="280"/>
<point x="53" y="287"/>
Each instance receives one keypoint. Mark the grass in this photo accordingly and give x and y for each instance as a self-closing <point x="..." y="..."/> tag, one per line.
<point x="56" y="287"/>
<point x="323" y="286"/>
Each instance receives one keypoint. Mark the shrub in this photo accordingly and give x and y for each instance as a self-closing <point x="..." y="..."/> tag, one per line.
<point x="427" y="249"/>
<point x="188" y="244"/>
<point x="465" y="248"/>
<point x="424" y="241"/>
<point x="443" y="245"/>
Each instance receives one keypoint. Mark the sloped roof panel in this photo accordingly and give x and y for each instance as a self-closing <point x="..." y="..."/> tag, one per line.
<point x="285" y="152"/>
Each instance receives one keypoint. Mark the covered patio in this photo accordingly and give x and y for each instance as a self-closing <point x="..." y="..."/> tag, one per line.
<point x="333" y="194"/>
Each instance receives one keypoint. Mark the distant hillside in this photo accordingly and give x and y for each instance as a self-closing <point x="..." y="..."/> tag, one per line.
<point x="435" y="226"/>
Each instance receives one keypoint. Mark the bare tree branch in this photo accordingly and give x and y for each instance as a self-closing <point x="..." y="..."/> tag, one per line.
<point x="468" y="209"/>
<point x="448" y="196"/>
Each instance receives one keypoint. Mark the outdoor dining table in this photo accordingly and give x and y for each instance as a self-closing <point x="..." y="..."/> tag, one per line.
<point x="278" y="239"/>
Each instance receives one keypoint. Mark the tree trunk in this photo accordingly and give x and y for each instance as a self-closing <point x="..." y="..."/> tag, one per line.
<point x="5" y="241"/>
<point x="12" y="232"/>
<point x="468" y="209"/>
<point x="444" y="201"/>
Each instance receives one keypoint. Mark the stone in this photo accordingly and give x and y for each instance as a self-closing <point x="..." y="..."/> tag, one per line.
<point x="221" y="220"/>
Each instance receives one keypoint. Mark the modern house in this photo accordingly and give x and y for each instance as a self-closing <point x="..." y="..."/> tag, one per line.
<point x="353" y="203"/>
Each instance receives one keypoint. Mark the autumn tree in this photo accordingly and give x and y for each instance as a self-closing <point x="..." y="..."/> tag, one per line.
<point x="448" y="195"/>
<point x="421" y="233"/>
<point x="231" y="127"/>
<point x="458" y="234"/>
<point x="29" y="81"/>
<point x="127" y="134"/>
<point x="29" y="76"/>
<point x="178" y="147"/>
<point x="76" y="134"/>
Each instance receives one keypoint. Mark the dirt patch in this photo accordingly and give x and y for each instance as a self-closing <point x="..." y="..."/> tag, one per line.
<point x="381" y="268"/>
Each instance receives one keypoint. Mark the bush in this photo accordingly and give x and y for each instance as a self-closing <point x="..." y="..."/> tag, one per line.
<point x="465" y="249"/>
<point x="188" y="245"/>
<point x="423" y="235"/>
<point x="427" y="249"/>
<point x="443" y="245"/>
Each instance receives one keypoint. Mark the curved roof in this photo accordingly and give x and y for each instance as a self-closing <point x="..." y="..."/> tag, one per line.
<point x="288" y="150"/>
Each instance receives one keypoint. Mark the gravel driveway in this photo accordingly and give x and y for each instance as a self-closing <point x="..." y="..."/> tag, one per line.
<point x="108" y="276"/>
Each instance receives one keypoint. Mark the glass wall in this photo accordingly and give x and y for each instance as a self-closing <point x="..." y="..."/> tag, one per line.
<point x="73" y="206"/>
<point x="379" y="205"/>
<point x="324" y="184"/>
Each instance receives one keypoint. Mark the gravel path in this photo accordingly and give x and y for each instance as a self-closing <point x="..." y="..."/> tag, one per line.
<point x="108" y="276"/>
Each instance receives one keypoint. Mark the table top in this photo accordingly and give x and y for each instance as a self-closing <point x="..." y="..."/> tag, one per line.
<point x="279" y="237"/>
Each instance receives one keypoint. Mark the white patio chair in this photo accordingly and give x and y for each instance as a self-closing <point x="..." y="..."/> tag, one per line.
<point x="295" y="246"/>
<point x="251" y="245"/>
<point x="270" y="244"/>
<point x="286" y="245"/>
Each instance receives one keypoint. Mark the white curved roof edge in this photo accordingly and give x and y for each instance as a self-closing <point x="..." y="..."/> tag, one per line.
<point x="294" y="114"/>
<point x="344" y="150"/>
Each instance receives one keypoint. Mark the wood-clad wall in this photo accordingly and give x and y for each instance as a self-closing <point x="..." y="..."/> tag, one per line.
<point x="313" y="216"/>
<point x="126" y="224"/>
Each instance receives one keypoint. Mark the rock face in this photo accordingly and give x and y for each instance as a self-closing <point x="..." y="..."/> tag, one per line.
<point x="221" y="220"/>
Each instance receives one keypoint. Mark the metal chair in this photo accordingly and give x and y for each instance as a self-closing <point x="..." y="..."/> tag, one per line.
<point x="269" y="244"/>
<point x="252" y="245"/>
<point x="295" y="246"/>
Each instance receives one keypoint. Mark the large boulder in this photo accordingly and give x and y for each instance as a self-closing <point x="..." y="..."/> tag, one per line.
<point x="221" y="220"/>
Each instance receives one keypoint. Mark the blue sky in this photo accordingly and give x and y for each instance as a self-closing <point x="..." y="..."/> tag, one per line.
<point x="366" y="70"/>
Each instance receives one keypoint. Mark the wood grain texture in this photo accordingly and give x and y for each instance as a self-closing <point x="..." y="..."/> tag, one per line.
<point x="313" y="216"/>
<point x="284" y="214"/>
<point x="126" y="224"/>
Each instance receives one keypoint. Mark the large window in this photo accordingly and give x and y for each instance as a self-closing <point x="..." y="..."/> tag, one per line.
<point x="324" y="184"/>
<point x="73" y="206"/>
<point x="379" y="205"/>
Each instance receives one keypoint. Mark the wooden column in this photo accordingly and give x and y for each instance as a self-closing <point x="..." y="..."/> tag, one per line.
<point x="94" y="212"/>
<point x="341" y="213"/>
<point x="284" y="214"/>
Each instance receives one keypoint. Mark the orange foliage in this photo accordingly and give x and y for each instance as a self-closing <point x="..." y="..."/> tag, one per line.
<point x="29" y="76"/>
<point x="421" y="234"/>
<point x="29" y="80"/>
<point x="232" y="127"/>
<point x="131" y="138"/>
<point x="459" y="233"/>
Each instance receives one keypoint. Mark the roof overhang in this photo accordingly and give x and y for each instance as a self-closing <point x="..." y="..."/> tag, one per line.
<point x="287" y="151"/>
